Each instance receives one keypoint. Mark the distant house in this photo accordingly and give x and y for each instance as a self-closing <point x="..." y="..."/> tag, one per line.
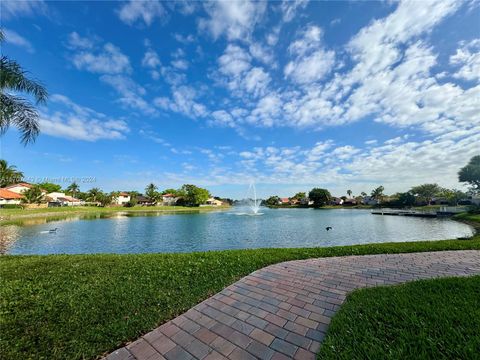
<point x="471" y="200"/>
<point x="350" y="202"/>
<point x="60" y="199"/>
<point x="336" y="201"/>
<point x="143" y="200"/>
<point x="284" y="201"/>
<point x="368" y="200"/>
<point x="8" y="197"/>
<point x="214" y="202"/>
<point x="306" y="201"/>
<point x="169" y="199"/>
<point x="19" y="188"/>
<point x="122" y="198"/>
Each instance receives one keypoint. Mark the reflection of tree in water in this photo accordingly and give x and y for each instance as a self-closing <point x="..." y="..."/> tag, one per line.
<point x="8" y="235"/>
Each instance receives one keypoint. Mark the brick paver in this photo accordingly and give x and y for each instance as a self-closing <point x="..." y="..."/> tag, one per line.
<point x="282" y="311"/>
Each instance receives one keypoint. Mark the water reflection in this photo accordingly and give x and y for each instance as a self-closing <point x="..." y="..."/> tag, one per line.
<point x="141" y="232"/>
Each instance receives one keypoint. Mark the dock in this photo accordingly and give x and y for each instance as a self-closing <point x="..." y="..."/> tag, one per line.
<point x="412" y="213"/>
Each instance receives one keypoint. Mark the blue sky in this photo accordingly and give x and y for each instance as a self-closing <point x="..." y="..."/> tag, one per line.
<point x="291" y="95"/>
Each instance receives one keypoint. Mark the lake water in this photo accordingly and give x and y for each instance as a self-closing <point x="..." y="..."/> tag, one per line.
<point x="219" y="231"/>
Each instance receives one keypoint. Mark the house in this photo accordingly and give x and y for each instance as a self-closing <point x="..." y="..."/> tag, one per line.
<point x="368" y="200"/>
<point x="19" y="187"/>
<point x="60" y="199"/>
<point x="350" y="202"/>
<point x="214" y="202"/>
<point x="336" y="201"/>
<point x="284" y="201"/>
<point x="143" y="200"/>
<point x="306" y="201"/>
<point x="122" y="198"/>
<point x="169" y="199"/>
<point x="8" y="197"/>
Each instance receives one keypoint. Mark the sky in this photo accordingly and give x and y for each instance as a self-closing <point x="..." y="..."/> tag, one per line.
<point x="290" y="95"/>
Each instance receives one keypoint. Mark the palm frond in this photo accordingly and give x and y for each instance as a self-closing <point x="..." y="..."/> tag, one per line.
<point x="13" y="77"/>
<point x="19" y="112"/>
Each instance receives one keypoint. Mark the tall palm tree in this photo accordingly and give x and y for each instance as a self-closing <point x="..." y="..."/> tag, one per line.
<point x="9" y="174"/>
<point x="15" y="110"/>
<point x="33" y="195"/>
<point x="349" y="193"/>
<point x="73" y="188"/>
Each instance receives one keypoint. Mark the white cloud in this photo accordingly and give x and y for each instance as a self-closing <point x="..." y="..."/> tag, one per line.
<point x="468" y="57"/>
<point x="106" y="59"/>
<point x="290" y="7"/>
<point x="151" y="59"/>
<point x="184" y="39"/>
<point x="14" y="38"/>
<point x="141" y="11"/>
<point x="183" y="101"/>
<point x="312" y="62"/>
<point x="80" y="123"/>
<point x="15" y="8"/>
<point x="180" y="64"/>
<point x="235" y="19"/>
<point x="262" y="54"/>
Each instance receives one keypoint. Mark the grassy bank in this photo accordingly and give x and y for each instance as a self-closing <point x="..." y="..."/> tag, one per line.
<point x="428" y="319"/>
<point x="15" y="214"/>
<point x="80" y="306"/>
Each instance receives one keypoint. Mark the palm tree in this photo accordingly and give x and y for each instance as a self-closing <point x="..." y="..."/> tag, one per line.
<point x="94" y="194"/>
<point x="349" y="193"/>
<point x="9" y="174"/>
<point x="33" y="195"/>
<point x="15" y="110"/>
<point x="363" y="193"/>
<point x="73" y="188"/>
<point x="152" y="193"/>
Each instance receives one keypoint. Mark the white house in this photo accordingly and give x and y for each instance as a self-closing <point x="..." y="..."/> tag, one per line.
<point x="8" y="197"/>
<point x="122" y="198"/>
<point x="169" y="199"/>
<point x="336" y="201"/>
<point x="63" y="199"/>
<point x="214" y="202"/>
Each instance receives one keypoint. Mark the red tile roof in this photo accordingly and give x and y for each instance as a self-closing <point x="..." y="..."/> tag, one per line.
<point x="124" y="194"/>
<point x="168" y="195"/>
<point x="9" y="195"/>
<point x="19" y="184"/>
<point x="285" y="200"/>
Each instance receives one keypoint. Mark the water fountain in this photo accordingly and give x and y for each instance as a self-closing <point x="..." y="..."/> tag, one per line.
<point x="255" y="206"/>
<point x="251" y="202"/>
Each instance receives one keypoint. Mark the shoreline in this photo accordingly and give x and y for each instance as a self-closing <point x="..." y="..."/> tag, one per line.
<point x="39" y="213"/>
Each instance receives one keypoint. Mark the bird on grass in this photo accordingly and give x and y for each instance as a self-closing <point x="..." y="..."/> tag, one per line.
<point x="328" y="228"/>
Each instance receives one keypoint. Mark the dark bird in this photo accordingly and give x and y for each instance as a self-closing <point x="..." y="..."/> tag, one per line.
<point x="328" y="228"/>
<point x="52" y="230"/>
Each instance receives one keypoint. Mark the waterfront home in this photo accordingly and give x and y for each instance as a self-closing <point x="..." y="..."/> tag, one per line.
<point x="169" y="199"/>
<point x="60" y="199"/>
<point x="368" y="200"/>
<point x="214" y="202"/>
<point x="349" y="202"/>
<point x="8" y="197"/>
<point x="122" y="198"/>
<point x="19" y="187"/>
<point x="143" y="200"/>
<point x="336" y="201"/>
<point x="284" y="201"/>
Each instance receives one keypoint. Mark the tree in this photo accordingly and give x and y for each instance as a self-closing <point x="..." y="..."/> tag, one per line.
<point x="426" y="192"/>
<point x="94" y="194"/>
<point x="470" y="173"/>
<point x="33" y="195"/>
<point x="406" y="199"/>
<point x="9" y="174"/>
<point x="73" y="189"/>
<point x="363" y="193"/>
<point x="50" y="187"/>
<point x="113" y="196"/>
<point x="171" y="191"/>
<point x="272" y="201"/>
<point x="320" y="197"/>
<point x="377" y="193"/>
<point x="151" y="193"/>
<point x="194" y="195"/>
<point x="299" y="196"/>
<point x="15" y="110"/>
<point x="349" y="193"/>
<point x="105" y="199"/>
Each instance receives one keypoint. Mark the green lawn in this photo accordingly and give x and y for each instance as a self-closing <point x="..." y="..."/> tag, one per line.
<point x="80" y="306"/>
<point x="427" y="319"/>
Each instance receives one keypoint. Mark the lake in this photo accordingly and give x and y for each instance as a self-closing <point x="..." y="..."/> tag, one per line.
<point x="282" y="228"/>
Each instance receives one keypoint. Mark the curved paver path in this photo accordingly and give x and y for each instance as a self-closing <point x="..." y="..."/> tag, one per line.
<point x="282" y="311"/>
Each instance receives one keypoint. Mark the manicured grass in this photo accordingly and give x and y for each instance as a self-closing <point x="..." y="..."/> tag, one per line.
<point x="427" y="319"/>
<point x="473" y="218"/>
<point x="80" y="306"/>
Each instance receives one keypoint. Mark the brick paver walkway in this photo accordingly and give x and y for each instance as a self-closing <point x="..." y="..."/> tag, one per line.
<point x="282" y="311"/>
